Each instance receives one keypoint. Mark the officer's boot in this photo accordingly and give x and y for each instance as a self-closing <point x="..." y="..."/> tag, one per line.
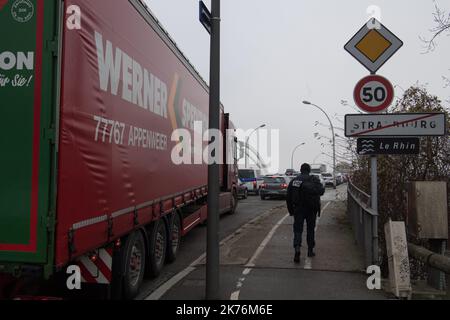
<point x="311" y="253"/>
<point x="297" y="255"/>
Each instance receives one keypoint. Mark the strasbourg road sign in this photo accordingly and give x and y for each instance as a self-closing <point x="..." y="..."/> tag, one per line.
<point x="395" y="125"/>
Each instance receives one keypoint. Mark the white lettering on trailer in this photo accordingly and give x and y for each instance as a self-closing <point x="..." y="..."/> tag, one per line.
<point x="192" y="114"/>
<point x="114" y="132"/>
<point x="139" y="86"/>
<point x="20" y="61"/>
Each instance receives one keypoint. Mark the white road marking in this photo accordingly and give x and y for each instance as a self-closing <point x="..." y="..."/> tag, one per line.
<point x="247" y="271"/>
<point x="263" y="244"/>
<point x="235" y="296"/>
<point x="164" y="288"/>
<point x="308" y="261"/>
<point x="251" y="263"/>
<point x="308" y="264"/>
<point x="161" y="291"/>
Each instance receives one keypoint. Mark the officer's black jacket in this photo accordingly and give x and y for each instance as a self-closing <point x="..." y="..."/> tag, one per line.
<point x="312" y="189"/>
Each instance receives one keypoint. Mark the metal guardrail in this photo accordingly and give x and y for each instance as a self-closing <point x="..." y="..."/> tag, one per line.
<point x="438" y="266"/>
<point x="365" y="223"/>
<point x="430" y="258"/>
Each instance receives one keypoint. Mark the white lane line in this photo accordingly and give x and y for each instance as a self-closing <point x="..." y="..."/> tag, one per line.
<point x="308" y="261"/>
<point x="308" y="264"/>
<point x="247" y="271"/>
<point x="263" y="244"/>
<point x="235" y="295"/>
<point x="164" y="288"/>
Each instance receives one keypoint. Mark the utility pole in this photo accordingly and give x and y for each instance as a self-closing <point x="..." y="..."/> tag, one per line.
<point x="213" y="249"/>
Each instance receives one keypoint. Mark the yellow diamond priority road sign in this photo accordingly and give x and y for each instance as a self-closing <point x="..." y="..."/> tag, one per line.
<point x="373" y="45"/>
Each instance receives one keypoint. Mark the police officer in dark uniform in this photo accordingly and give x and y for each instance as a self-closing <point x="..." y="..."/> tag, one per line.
<point x="303" y="201"/>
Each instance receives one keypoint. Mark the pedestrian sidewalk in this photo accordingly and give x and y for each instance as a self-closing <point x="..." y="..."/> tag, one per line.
<point x="257" y="263"/>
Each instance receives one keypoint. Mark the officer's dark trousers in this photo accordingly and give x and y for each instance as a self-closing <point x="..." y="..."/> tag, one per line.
<point x="299" y="222"/>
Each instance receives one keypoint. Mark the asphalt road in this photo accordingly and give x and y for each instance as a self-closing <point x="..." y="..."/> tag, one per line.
<point x="194" y="244"/>
<point x="256" y="258"/>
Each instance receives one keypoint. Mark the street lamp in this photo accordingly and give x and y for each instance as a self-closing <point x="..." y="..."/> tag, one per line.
<point x="293" y="152"/>
<point x="246" y="144"/>
<point x="334" y="138"/>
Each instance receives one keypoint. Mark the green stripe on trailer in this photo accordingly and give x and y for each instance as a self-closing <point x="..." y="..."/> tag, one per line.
<point x="27" y="118"/>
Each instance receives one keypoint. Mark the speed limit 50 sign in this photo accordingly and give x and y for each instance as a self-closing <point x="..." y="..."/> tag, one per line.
<point x="374" y="94"/>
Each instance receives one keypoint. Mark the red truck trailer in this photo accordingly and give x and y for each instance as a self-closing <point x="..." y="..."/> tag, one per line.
<point x="90" y="94"/>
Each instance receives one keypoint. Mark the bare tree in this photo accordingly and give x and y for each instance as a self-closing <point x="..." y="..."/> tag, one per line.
<point x="442" y="26"/>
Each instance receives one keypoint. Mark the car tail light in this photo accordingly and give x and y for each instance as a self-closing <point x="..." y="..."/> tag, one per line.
<point x="255" y="185"/>
<point x="284" y="186"/>
<point x="263" y="186"/>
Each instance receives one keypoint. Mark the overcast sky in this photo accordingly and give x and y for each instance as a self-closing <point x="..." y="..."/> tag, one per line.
<point x="277" y="53"/>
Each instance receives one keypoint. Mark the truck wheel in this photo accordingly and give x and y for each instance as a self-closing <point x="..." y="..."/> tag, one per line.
<point x="173" y="245"/>
<point x="134" y="265"/>
<point x="157" y="248"/>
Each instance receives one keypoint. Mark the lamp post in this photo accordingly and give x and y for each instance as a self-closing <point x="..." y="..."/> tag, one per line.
<point x="334" y="138"/>
<point x="246" y="143"/>
<point x="293" y="152"/>
<point x="213" y="248"/>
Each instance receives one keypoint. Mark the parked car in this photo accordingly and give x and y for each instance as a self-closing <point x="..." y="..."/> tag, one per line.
<point x="242" y="190"/>
<point x="275" y="186"/>
<point x="252" y="180"/>
<point x="319" y="176"/>
<point x="339" y="179"/>
<point x="291" y="172"/>
<point x="328" y="178"/>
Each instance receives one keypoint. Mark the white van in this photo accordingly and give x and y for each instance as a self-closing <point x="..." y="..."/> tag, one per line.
<point x="252" y="180"/>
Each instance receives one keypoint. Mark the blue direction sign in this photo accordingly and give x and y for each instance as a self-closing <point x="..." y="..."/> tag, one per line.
<point x="390" y="146"/>
<point x="205" y="17"/>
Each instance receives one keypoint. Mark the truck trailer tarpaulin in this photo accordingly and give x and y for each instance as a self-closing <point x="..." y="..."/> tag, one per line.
<point x="96" y="107"/>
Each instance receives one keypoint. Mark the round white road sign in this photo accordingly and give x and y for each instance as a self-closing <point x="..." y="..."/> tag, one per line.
<point x="374" y="94"/>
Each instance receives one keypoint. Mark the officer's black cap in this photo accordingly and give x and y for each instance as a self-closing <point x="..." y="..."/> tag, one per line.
<point x="305" y="169"/>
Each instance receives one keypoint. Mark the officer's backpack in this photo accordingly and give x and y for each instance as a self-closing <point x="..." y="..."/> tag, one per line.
<point x="309" y="194"/>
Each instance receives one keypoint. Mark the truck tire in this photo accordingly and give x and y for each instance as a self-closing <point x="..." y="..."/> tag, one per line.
<point x="157" y="248"/>
<point x="233" y="202"/>
<point x="173" y="245"/>
<point x="134" y="264"/>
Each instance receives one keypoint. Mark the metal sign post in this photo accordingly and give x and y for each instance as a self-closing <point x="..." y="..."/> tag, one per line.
<point x="211" y="21"/>
<point x="374" y="205"/>
<point x="373" y="45"/>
